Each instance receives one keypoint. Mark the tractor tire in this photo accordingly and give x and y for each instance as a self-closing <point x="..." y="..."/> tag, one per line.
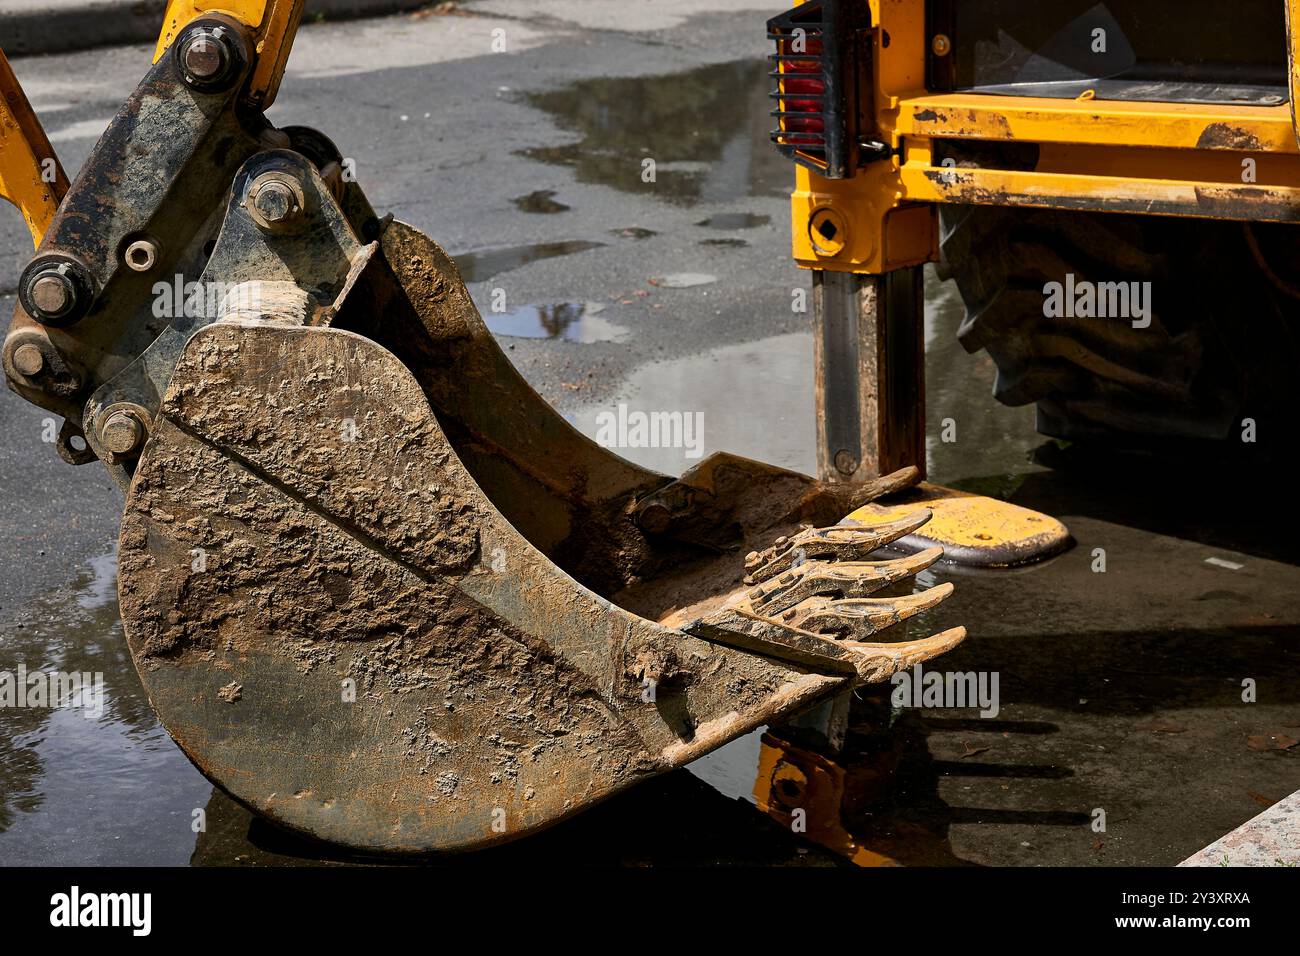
<point x="1222" y="348"/>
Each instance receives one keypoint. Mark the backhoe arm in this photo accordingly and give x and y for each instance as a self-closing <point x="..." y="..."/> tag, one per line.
<point x="30" y="175"/>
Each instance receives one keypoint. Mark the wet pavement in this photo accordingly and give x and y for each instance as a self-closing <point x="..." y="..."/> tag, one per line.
<point x="1120" y="691"/>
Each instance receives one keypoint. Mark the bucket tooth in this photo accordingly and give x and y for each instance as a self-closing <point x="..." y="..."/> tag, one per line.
<point x="879" y="662"/>
<point x="841" y="543"/>
<point x="863" y="617"/>
<point x="818" y="609"/>
<point x="869" y="662"/>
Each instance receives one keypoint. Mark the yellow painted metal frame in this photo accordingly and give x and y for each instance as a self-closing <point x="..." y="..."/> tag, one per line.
<point x="275" y="22"/>
<point x="1174" y="159"/>
<point x="30" y="175"/>
<point x="1293" y="58"/>
<point x="820" y="784"/>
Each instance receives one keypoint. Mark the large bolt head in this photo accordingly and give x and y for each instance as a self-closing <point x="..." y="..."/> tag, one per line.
<point x="28" y="360"/>
<point x="121" y="433"/>
<point x="53" y="294"/>
<point x="204" y="57"/>
<point x="56" y="290"/>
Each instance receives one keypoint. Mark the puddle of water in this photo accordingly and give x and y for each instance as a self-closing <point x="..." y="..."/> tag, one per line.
<point x="101" y="591"/>
<point x="683" y="280"/>
<point x="564" y="321"/>
<point x="707" y="131"/>
<point x="734" y="220"/>
<point x="89" y="785"/>
<point x="541" y="201"/>
<point x="486" y="263"/>
<point x="756" y="400"/>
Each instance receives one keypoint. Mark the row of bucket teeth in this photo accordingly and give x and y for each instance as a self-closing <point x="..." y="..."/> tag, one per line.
<point x="847" y="579"/>
<point x="819" y="581"/>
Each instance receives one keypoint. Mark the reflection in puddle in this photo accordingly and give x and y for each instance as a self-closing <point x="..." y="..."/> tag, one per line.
<point x="102" y="589"/>
<point x="565" y="321"/>
<point x="707" y="131"/>
<point x="541" y="201"/>
<point x="734" y="220"/>
<point x="486" y="263"/>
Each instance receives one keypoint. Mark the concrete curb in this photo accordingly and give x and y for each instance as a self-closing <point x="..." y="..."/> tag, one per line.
<point x="1270" y="839"/>
<point x="43" y="26"/>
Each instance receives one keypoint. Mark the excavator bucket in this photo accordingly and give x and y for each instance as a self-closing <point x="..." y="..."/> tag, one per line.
<point x="375" y="587"/>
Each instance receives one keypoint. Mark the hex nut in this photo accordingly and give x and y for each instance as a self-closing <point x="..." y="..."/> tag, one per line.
<point x="56" y="289"/>
<point x="275" y="201"/>
<point x="208" y="59"/>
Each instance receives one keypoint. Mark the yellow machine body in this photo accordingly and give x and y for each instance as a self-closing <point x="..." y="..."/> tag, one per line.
<point x="1173" y="159"/>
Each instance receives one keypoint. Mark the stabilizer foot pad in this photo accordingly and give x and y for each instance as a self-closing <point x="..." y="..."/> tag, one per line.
<point x="972" y="529"/>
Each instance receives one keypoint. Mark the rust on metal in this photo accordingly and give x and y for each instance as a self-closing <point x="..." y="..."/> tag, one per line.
<point x="1228" y="136"/>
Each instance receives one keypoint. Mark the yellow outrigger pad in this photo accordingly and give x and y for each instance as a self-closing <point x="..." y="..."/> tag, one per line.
<point x="972" y="529"/>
